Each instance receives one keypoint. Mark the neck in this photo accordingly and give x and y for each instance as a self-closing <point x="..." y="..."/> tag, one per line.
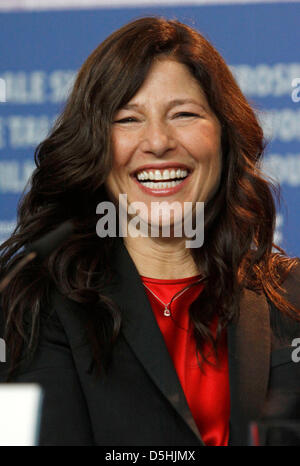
<point x="162" y="258"/>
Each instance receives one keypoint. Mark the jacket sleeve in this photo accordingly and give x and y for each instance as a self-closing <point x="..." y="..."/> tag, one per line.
<point x="64" y="418"/>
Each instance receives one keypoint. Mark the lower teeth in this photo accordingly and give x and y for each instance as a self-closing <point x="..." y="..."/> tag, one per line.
<point x="161" y="184"/>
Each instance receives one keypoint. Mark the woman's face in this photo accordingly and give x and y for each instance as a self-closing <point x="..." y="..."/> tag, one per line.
<point x="166" y="141"/>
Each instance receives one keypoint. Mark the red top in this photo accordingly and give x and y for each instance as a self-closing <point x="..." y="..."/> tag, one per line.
<point x="207" y="394"/>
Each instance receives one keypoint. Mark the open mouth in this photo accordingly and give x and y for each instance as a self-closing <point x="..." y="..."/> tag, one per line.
<point x="162" y="179"/>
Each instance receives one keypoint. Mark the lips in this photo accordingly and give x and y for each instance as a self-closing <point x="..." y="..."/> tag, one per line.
<point x="161" y="167"/>
<point x="162" y="191"/>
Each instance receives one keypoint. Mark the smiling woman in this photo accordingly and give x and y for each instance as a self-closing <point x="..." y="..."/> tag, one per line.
<point x="154" y="135"/>
<point x="187" y="345"/>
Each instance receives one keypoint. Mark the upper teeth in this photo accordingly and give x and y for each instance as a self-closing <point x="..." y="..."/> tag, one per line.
<point x="161" y="174"/>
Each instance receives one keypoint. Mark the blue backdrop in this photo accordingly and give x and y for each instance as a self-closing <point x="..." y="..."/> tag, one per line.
<point x="41" y="52"/>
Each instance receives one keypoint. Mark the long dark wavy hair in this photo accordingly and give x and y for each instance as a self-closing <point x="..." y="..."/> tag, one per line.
<point x="73" y="162"/>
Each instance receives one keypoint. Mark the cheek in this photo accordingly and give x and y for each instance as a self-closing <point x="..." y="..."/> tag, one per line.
<point x="206" y="152"/>
<point x="122" y="148"/>
<point x="203" y="142"/>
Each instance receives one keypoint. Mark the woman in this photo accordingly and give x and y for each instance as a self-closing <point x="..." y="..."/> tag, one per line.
<point x="140" y="340"/>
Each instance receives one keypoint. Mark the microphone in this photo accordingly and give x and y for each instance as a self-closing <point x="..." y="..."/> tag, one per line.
<point x="49" y="242"/>
<point x="40" y="248"/>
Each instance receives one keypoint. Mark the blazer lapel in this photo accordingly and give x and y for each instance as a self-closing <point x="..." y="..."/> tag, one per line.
<point x="142" y="333"/>
<point x="249" y="349"/>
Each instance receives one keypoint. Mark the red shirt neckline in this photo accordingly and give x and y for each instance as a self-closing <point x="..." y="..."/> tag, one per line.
<point x="209" y="405"/>
<point x="171" y="281"/>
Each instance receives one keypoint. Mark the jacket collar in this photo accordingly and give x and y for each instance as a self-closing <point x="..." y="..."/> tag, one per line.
<point x="248" y="348"/>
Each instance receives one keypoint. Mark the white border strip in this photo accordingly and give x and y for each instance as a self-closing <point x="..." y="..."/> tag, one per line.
<point x="13" y="5"/>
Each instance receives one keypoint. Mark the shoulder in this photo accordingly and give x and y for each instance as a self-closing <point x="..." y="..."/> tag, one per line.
<point x="286" y="325"/>
<point x="291" y="283"/>
<point x="65" y="315"/>
<point x="71" y="322"/>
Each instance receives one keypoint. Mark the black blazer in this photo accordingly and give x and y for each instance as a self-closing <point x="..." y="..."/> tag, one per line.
<point x="140" y="400"/>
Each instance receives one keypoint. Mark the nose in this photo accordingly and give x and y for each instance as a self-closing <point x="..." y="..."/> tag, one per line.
<point x="157" y="138"/>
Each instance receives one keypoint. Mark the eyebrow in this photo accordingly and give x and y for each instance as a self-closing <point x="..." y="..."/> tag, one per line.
<point x="171" y="104"/>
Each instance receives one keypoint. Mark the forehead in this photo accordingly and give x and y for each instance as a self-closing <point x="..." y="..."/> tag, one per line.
<point x="168" y="80"/>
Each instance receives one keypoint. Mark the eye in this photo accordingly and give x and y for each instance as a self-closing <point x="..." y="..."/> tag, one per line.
<point x="186" y="114"/>
<point x="126" y="120"/>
